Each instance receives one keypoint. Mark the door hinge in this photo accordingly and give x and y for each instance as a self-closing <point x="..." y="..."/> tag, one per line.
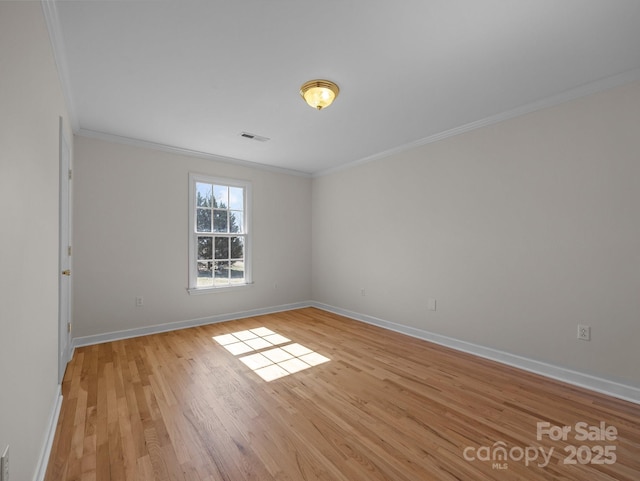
<point x="70" y="174"/>
<point x="69" y="251"/>
<point x="68" y="327"/>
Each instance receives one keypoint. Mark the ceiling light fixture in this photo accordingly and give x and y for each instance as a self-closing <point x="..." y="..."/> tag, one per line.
<point x="319" y="93"/>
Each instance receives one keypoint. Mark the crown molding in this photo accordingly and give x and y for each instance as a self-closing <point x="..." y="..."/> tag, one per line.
<point x="119" y="139"/>
<point x="566" y="96"/>
<point x="49" y="8"/>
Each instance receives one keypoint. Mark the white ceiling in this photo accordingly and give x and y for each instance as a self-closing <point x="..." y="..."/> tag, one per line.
<point x="195" y="74"/>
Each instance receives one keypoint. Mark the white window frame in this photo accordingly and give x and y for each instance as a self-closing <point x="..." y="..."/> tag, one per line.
<point x="193" y="235"/>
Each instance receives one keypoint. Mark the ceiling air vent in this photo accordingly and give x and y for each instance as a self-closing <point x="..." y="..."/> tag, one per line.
<point x="259" y="138"/>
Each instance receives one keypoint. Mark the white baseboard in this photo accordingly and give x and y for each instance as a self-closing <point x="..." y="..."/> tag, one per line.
<point x="173" y="326"/>
<point x="587" y="381"/>
<point x="51" y="432"/>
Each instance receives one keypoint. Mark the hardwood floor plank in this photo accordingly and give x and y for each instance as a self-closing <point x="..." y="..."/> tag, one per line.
<point x="178" y="406"/>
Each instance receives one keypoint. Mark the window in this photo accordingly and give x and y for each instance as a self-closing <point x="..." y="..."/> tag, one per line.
<point x="219" y="254"/>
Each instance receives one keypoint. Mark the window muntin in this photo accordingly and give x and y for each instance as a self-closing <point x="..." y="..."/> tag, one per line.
<point x="219" y="233"/>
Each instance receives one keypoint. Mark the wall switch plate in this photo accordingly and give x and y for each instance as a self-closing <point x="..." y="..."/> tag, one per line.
<point x="431" y="304"/>
<point x="584" y="332"/>
<point x="4" y="465"/>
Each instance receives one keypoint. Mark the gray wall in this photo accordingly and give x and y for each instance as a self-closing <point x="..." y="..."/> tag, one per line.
<point x="131" y="238"/>
<point x="520" y="231"/>
<point x="30" y="105"/>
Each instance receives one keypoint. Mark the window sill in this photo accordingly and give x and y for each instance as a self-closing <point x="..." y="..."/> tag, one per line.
<point x="196" y="291"/>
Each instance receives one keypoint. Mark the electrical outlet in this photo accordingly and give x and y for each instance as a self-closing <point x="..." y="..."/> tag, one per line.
<point x="4" y="465"/>
<point x="139" y="302"/>
<point x="584" y="332"/>
<point x="363" y="292"/>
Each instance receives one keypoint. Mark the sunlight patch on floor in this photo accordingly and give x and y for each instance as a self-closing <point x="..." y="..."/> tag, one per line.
<point x="274" y="360"/>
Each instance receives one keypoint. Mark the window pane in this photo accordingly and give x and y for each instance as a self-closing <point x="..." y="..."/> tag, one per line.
<point x="219" y="242"/>
<point x="237" y="272"/>
<point x="222" y="247"/>
<point x="237" y="248"/>
<point x="204" y="220"/>
<point x="203" y="194"/>
<point x="221" y="273"/>
<point x="205" y="248"/>
<point x="221" y="196"/>
<point x="236" y="198"/>
<point x="236" y="222"/>
<point x="220" y="221"/>
<point x="205" y="274"/>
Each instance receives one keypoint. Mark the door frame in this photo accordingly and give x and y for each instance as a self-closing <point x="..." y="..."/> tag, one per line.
<point x="64" y="263"/>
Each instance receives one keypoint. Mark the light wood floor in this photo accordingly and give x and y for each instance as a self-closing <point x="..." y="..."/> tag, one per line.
<point x="179" y="406"/>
